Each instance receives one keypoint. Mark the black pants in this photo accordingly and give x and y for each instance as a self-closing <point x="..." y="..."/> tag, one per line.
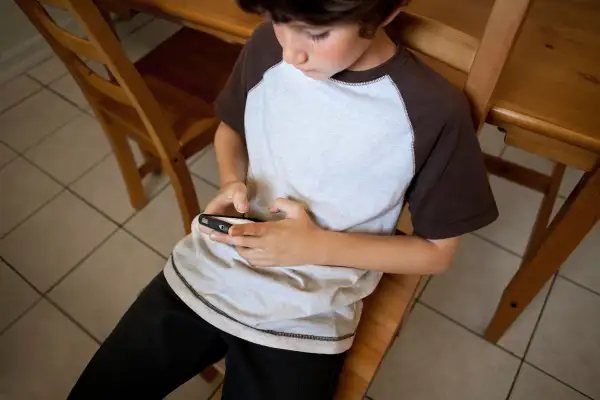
<point x="160" y="343"/>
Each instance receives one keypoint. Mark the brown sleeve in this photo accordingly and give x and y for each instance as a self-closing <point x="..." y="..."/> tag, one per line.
<point x="260" y="53"/>
<point x="450" y="194"/>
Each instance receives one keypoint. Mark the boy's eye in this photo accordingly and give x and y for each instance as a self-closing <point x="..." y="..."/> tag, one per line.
<point x="319" y="36"/>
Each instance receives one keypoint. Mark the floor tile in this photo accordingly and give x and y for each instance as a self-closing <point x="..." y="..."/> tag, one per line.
<point x="583" y="266"/>
<point x="15" y="295"/>
<point x="16" y="90"/>
<point x="570" y="180"/>
<point x="42" y="355"/>
<point x="126" y="27"/>
<point x="518" y="208"/>
<point x="98" y="68"/>
<point x="566" y="344"/>
<point x="206" y="166"/>
<point x="491" y="140"/>
<point x="434" y="358"/>
<point x="67" y="87"/>
<point x="6" y="155"/>
<point x="20" y="130"/>
<point x="532" y="384"/>
<point x="422" y="285"/>
<point x="159" y="223"/>
<point x="72" y="150"/>
<point x="470" y="290"/>
<point x="52" y="241"/>
<point x="525" y="159"/>
<point x="103" y="287"/>
<point x="104" y="187"/>
<point x="24" y="189"/>
<point x="48" y="71"/>
<point x="194" y="389"/>
<point x="147" y="38"/>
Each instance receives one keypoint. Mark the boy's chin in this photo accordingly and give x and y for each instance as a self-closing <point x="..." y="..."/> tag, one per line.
<point x="317" y="75"/>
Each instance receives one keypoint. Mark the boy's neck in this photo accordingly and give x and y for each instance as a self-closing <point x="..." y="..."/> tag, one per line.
<point x="382" y="48"/>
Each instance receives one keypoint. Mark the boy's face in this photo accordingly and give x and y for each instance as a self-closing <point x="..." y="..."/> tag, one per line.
<point x="321" y="52"/>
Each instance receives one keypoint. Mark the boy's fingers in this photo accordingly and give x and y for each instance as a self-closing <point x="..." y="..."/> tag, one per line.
<point x="291" y="208"/>
<point x="238" y="241"/>
<point x="255" y="257"/>
<point x="255" y="229"/>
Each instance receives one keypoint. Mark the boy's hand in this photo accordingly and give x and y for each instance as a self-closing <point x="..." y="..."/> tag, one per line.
<point x="292" y="241"/>
<point x="232" y="200"/>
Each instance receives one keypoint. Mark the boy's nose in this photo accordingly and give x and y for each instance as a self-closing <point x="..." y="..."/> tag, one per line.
<point x="294" y="57"/>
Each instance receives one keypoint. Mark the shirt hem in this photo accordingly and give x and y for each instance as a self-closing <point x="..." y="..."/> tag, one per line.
<point x="246" y="333"/>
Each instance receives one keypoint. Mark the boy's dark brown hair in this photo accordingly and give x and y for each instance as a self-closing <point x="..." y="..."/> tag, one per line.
<point x="369" y="14"/>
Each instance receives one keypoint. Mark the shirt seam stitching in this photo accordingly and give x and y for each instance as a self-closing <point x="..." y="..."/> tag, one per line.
<point x="270" y="332"/>
<point x="263" y="77"/>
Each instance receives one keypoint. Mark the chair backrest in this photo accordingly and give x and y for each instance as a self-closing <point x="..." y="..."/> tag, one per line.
<point x="126" y="86"/>
<point x="482" y="60"/>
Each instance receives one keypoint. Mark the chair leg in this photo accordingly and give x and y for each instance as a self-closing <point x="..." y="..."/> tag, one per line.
<point x="152" y="164"/>
<point x="127" y="165"/>
<point x="218" y="394"/>
<point x="574" y="221"/>
<point x="184" y="190"/>
<point x="543" y="217"/>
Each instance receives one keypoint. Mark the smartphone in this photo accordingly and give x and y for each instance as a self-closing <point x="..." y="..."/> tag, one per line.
<point x="222" y="223"/>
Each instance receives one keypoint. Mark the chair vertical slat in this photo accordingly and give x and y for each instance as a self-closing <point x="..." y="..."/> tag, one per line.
<point x="501" y="32"/>
<point x="77" y="45"/>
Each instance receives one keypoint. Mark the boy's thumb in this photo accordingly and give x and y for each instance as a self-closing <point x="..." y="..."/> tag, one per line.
<point x="240" y="201"/>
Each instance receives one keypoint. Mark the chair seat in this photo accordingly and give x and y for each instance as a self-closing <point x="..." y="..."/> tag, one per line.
<point x="185" y="90"/>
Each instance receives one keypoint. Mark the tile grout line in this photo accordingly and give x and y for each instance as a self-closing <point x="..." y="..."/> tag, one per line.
<point x="65" y="98"/>
<point x="205" y="180"/>
<point x="145" y="244"/>
<point x="32" y="213"/>
<point x="73" y="320"/>
<point x="501" y="247"/>
<point x="429" y="278"/>
<point x="46" y="85"/>
<point x="21" y="101"/>
<point x="480" y="336"/>
<point x="12" y="267"/>
<point x="52" y="132"/>
<point x="64" y="187"/>
<point x="558" y="380"/>
<point x="537" y="322"/>
<point x="21" y="315"/>
<point x="78" y="263"/>
<point x="26" y="311"/>
<point x="578" y="284"/>
<point x="137" y="28"/>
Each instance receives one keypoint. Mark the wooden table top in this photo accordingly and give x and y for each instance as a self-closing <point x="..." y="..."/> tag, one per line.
<point x="553" y="73"/>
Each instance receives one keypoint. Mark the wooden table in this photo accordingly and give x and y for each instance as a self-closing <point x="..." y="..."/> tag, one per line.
<point x="553" y="74"/>
<point x="551" y="85"/>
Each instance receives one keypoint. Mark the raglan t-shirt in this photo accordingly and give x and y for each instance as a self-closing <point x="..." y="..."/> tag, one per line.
<point x="352" y="149"/>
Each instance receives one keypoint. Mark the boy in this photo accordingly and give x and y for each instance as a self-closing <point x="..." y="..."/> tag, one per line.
<point x="328" y="129"/>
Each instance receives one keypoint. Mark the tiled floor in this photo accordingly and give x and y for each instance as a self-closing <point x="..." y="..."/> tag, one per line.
<point x="74" y="254"/>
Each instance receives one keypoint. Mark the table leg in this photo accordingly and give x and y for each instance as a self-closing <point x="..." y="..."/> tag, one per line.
<point x="573" y="222"/>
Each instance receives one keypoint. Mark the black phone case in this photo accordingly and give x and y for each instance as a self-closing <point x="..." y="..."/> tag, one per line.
<point x="214" y="222"/>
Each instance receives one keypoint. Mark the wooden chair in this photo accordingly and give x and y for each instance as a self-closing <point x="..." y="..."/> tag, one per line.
<point x="454" y="54"/>
<point x="169" y="117"/>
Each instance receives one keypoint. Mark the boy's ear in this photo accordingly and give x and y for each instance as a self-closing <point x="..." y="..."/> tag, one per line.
<point x="393" y="15"/>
